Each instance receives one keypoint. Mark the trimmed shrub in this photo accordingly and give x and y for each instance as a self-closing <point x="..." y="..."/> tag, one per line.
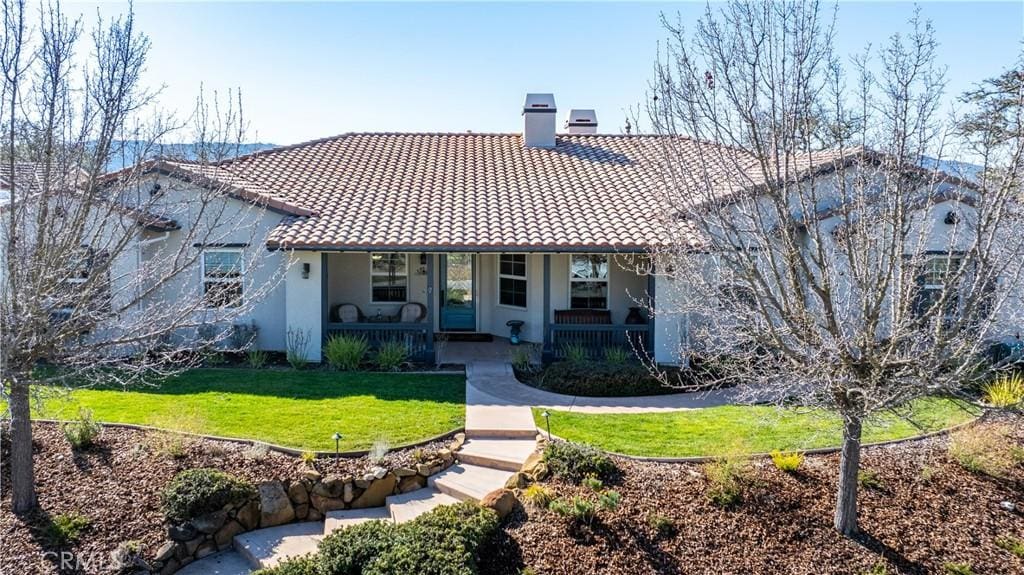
<point x="601" y="379"/>
<point x="985" y="449"/>
<point x="345" y="352"/>
<point x="869" y="479"/>
<point x="196" y="492"/>
<point x="81" y="432"/>
<point x="609" y="500"/>
<point x="348" y="551"/>
<point x="1007" y="391"/>
<point x="392" y="356"/>
<point x="593" y="483"/>
<point x="443" y="541"/>
<point x="787" y="461"/>
<point x="65" y="528"/>
<point x="661" y="524"/>
<point x="576" y="461"/>
<point x="305" y="565"/>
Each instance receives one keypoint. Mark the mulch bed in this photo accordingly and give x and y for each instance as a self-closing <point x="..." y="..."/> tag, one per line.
<point x="117" y="485"/>
<point x="929" y="512"/>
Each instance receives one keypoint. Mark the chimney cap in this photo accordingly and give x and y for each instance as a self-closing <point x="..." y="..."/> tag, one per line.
<point x="582" y="118"/>
<point x="544" y="103"/>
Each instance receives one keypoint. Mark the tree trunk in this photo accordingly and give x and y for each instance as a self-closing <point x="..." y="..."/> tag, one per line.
<point x="849" y="465"/>
<point x="23" y="488"/>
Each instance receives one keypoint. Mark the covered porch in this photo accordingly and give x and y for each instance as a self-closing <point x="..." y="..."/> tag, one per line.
<point x="582" y="301"/>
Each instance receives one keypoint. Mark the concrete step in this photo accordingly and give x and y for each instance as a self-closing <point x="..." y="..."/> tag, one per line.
<point x="267" y="547"/>
<point x="348" y="517"/>
<point x="408" y="506"/>
<point x="227" y="562"/>
<point x="499" y="421"/>
<point x="505" y="454"/>
<point x="469" y="482"/>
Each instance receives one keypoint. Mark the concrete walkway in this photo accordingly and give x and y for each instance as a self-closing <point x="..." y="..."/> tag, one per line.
<point x="491" y="386"/>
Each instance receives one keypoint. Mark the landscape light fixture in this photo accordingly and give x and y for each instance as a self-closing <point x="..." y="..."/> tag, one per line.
<point x="337" y="442"/>
<point x="547" y="421"/>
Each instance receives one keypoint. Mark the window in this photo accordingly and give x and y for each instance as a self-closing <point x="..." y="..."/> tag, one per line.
<point x="83" y="265"/>
<point x="222" y="277"/>
<point x="512" y="280"/>
<point x="389" y="278"/>
<point x="932" y="281"/>
<point x="588" y="282"/>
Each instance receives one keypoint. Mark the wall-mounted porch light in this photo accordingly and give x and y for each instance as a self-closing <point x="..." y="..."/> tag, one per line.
<point x="305" y="271"/>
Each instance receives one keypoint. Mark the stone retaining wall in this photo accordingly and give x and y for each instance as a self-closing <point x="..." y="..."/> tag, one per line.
<point x="307" y="498"/>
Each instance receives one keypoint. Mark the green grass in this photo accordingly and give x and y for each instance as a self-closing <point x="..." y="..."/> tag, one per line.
<point x="759" y="429"/>
<point x="295" y="409"/>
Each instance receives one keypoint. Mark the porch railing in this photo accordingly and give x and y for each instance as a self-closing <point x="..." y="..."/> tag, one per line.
<point x="417" y="337"/>
<point x="595" y="338"/>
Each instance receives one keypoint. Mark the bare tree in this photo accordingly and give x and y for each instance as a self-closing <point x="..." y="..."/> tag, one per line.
<point x="100" y="270"/>
<point x="813" y="260"/>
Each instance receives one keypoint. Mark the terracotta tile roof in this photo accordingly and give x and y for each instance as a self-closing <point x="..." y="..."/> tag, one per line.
<point x="410" y="191"/>
<point x="473" y="191"/>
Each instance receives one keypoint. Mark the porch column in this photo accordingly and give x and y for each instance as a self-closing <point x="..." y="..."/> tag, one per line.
<point x="305" y="299"/>
<point x="430" y="307"/>
<point x="547" y="350"/>
<point x="651" y="301"/>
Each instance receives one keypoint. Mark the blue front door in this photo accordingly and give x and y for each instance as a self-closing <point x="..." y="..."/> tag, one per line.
<point x="458" y="287"/>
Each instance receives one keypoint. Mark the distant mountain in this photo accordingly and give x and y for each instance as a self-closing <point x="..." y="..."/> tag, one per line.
<point x="130" y="151"/>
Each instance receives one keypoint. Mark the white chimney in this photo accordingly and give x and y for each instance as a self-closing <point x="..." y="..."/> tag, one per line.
<point x="539" y="121"/>
<point x="582" y="122"/>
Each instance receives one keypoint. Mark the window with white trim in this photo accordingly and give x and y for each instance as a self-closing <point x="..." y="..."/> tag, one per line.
<point x="588" y="281"/>
<point x="932" y="281"/>
<point x="83" y="265"/>
<point x="512" y="280"/>
<point x="389" y="278"/>
<point x="222" y="270"/>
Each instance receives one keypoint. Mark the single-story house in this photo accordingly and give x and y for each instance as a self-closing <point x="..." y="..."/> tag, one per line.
<point x="411" y="236"/>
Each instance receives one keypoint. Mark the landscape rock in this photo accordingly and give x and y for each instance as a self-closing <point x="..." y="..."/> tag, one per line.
<point x="171" y="566"/>
<point x="165" y="552"/>
<point x="404" y="472"/>
<point x="311" y="475"/>
<point x="376" y="492"/>
<point x="226" y="533"/>
<point x="502" y="501"/>
<point x="249" y="515"/>
<point x="379" y="472"/>
<point x="411" y="483"/>
<point x="297" y="493"/>
<point x="208" y="548"/>
<point x="325" y="504"/>
<point x="519" y="480"/>
<point x="457" y="442"/>
<point x="275" y="507"/>
<point x="191" y="546"/>
<point x="301" y="511"/>
<point x="423" y="469"/>
<point x="314" y="515"/>
<point x="331" y="486"/>
<point x="210" y="522"/>
<point x="348" y="493"/>
<point x="540" y="472"/>
<point x="531" y="463"/>
<point x="182" y="532"/>
<point x="363" y="483"/>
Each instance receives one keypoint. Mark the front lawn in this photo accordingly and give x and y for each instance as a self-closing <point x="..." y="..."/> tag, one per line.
<point x="754" y="429"/>
<point x="300" y="409"/>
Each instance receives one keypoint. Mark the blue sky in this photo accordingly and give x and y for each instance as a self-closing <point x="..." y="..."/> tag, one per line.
<point x="314" y="70"/>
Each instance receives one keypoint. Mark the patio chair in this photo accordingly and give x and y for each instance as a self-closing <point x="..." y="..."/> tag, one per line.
<point x="346" y="313"/>
<point x="412" y="312"/>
